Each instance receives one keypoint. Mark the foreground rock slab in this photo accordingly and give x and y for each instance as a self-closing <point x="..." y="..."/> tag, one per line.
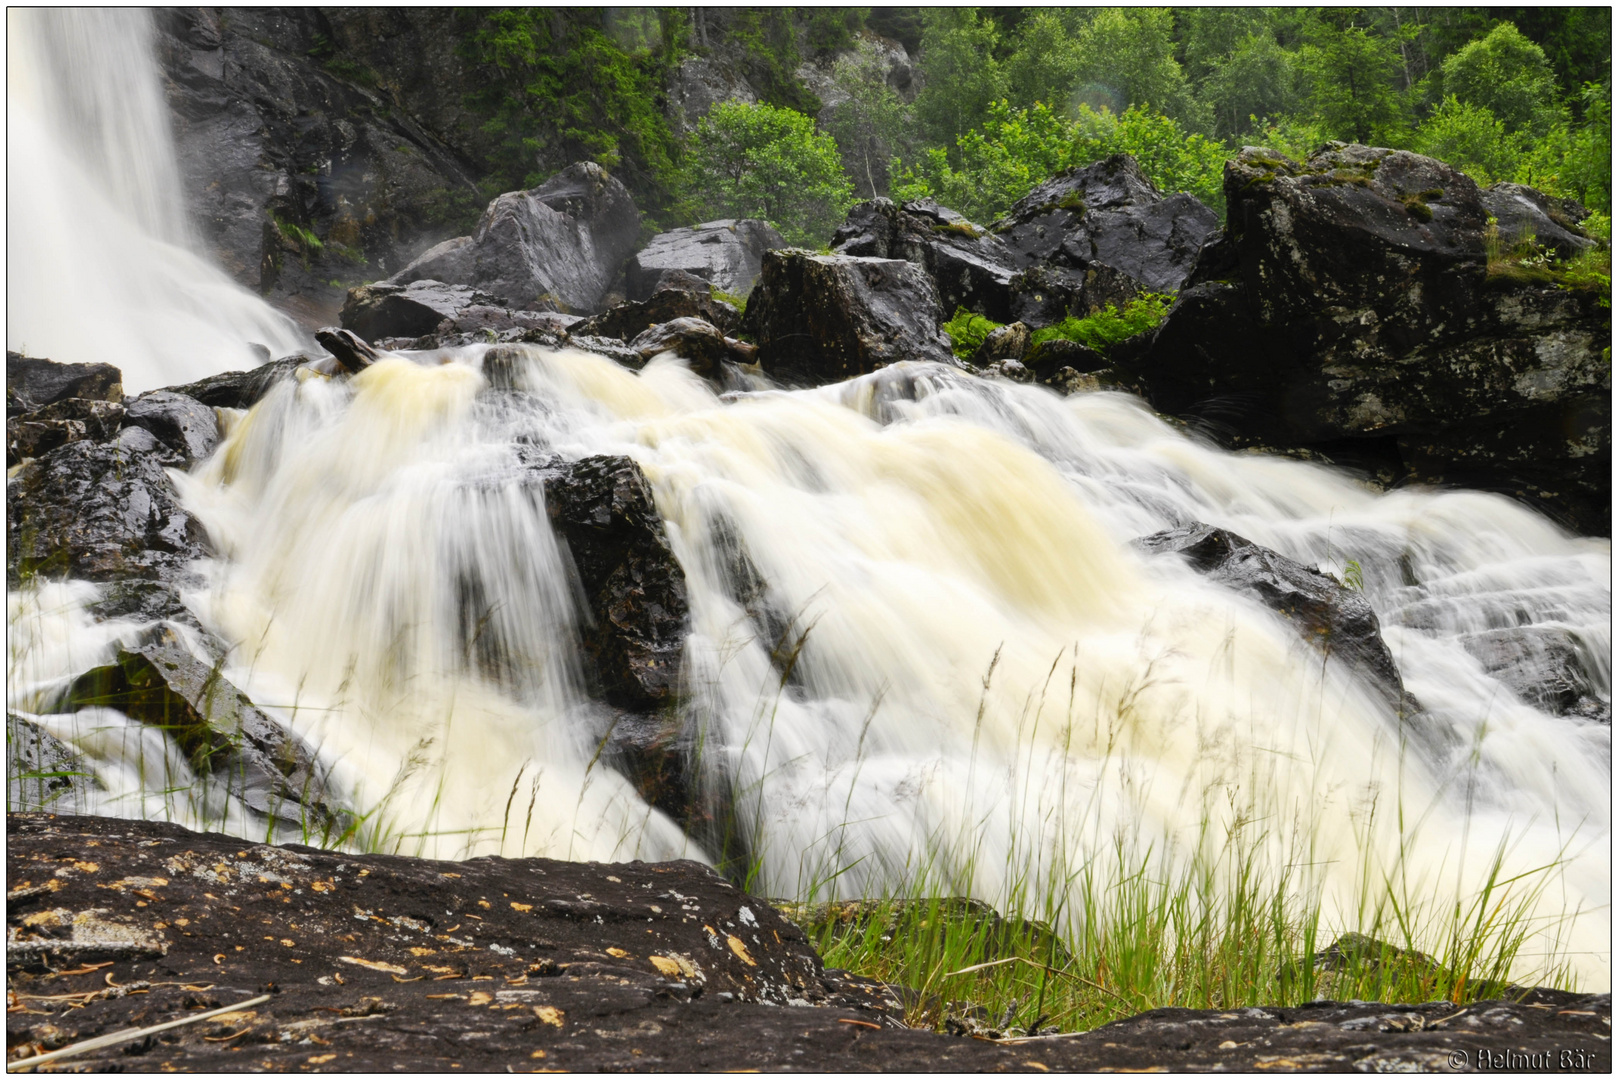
<point x="383" y="963"/>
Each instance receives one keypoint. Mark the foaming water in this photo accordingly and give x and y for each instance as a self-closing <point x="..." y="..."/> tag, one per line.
<point x="921" y="648"/>
<point x="102" y="265"/>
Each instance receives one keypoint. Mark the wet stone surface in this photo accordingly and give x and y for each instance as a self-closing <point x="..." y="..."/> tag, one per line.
<point x="385" y="963"/>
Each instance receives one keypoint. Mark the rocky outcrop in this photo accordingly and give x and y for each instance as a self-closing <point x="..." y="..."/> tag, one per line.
<point x="1350" y="307"/>
<point x="556" y="248"/>
<point x="1098" y="235"/>
<point x="687" y="299"/>
<point x="183" y="424"/>
<point x="824" y="318"/>
<point x="1548" y="667"/>
<point x="695" y="340"/>
<point x="637" y="615"/>
<point x="1329" y="616"/>
<point x="970" y="267"/>
<point x="222" y="733"/>
<point x="375" y="962"/>
<point x="105" y="512"/>
<point x="727" y="254"/>
<point x="34" y="383"/>
<point x="242" y="389"/>
<point x="43" y="773"/>
<point x="1522" y="214"/>
<point x="285" y="133"/>
<point x="38" y="431"/>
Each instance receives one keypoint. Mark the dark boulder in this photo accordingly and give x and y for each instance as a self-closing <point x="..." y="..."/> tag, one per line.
<point x="385" y="310"/>
<point x="1331" y="617"/>
<point x="824" y="318"/>
<point x="557" y="247"/>
<point x="1099" y="234"/>
<point x="32" y="383"/>
<point x="30" y="434"/>
<point x="242" y="389"/>
<point x="636" y="610"/>
<point x="632" y="318"/>
<point x="1350" y="308"/>
<point x="105" y="512"/>
<point x="727" y="254"/>
<point x="221" y="732"/>
<point x="971" y="267"/>
<point x="1548" y="667"/>
<point x="183" y="424"/>
<point x="1003" y="343"/>
<point x="695" y="340"/>
<point x="1523" y="214"/>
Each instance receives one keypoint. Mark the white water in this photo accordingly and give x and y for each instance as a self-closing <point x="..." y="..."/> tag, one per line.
<point x="917" y="523"/>
<point x="101" y="263"/>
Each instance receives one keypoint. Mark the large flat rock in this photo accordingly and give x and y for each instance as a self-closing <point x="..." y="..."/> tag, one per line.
<point x="385" y="963"/>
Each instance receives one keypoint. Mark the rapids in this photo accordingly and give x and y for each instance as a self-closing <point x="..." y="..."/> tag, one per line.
<point x="102" y="265"/>
<point x="993" y="691"/>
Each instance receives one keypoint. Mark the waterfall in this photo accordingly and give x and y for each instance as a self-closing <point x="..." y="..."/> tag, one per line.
<point x="102" y="264"/>
<point x="992" y="691"/>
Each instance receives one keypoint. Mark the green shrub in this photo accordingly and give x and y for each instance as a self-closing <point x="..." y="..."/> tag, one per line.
<point x="967" y="330"/>
<point x="1109" y="326"/>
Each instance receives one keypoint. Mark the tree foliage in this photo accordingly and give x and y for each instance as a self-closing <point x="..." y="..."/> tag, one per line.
<point x="758" y="161"/>
<point x="1508" y="75"/>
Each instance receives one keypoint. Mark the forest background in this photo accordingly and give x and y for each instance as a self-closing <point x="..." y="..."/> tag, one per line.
<point x="998" y="99"/>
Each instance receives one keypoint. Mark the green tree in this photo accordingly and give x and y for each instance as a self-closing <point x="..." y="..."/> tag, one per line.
<point x="1507" y="74"/>
<point x="1576" y="161"/>
<point x="960" y="74"/>
<point x="562" y="87"/>
<point x="1352" y="74"/>
<point x="871" y="123"/>
<point x="758" y="161"/>
<point x="998" y="164"/>
<point x="1472" y="139"/>
<point x="1044" y="63"/>
<point x="1126" y="58"/>
<point x="1257" y="78"/>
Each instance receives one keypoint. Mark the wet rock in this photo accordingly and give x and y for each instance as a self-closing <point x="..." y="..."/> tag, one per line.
<point x="377" y="961"/>
<point x="695" y="340"/>
<point x="1523" y="214"/>
<point x="970" y="267"/>
<point x="632" y="318"/>
<point x="183" y="424"/>
<point x="1349" y="301"/>
<point x="280" y="116"/>
<point x="242" y="389"/>
<point x="1099" y="234"/>
<point x="700" y="83"/>
<point x="1547" y="667"/>
<point x="1005" y="343"/>
<point x="42" y="772"/>
<point x="105" y="512"/>
<point x="726" y="254"/>
<point x="557" y="247"/>
<point x="824" y="318"/>
<point x="382" y="309"/>
<point x="222" y="733"/>
<point x="352" y="352"/>
<point x="1050" y="356"/>
<point x="637" y="614"/>
<point x="38" y="431"/>
<point x="1331" y="617"/>
<point x="32" y="383"/>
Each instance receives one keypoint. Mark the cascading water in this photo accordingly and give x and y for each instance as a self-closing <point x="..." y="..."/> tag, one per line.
<point x="991" y="690"/>
<point x="102" y="265"/>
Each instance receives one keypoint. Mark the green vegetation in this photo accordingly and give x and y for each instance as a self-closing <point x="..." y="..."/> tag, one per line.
<point x="1109" y="326"/>
<point x="758" y="161"/>
<point x="967" y="330"/>
<point x="1527" y="262"/>
<point x="1009" y="96"/>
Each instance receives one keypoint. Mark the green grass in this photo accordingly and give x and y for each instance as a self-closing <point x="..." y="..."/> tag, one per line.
<point x="1527" y="263"/>
<point x="967" y="330"/>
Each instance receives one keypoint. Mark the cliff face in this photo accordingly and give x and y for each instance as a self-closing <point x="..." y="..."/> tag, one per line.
<point x="305" y="165"/>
